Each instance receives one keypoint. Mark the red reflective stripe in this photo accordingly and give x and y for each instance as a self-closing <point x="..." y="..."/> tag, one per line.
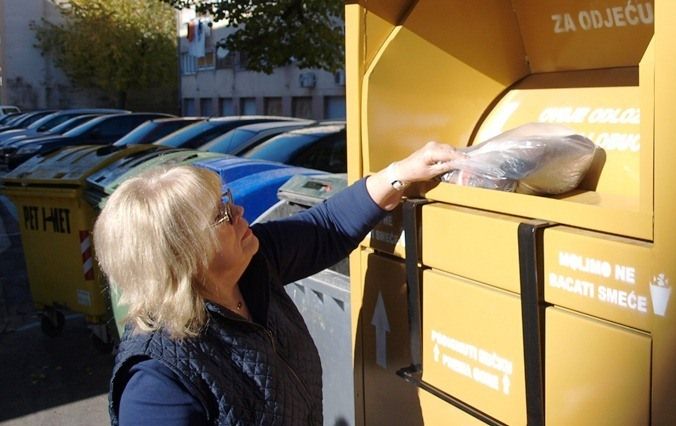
<point x="86" y="252"/>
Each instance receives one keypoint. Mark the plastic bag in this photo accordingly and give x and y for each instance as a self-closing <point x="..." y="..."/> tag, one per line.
<point x="535" y="158"/>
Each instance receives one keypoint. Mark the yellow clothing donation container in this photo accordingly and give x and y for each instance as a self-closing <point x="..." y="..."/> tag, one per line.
<point x="478" y="306"/>
<point x="55" y="224"/>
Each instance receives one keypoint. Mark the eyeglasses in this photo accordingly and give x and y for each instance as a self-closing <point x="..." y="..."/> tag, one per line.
<point x="225" y="209"/>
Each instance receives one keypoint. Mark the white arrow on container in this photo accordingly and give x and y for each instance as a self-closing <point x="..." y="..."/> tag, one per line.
<point x="379" y="321"/>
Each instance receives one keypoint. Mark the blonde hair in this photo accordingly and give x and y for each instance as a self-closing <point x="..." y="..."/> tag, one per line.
<point x="154" y="239"/>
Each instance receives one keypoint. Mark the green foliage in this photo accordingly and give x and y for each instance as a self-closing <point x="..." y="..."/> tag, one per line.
<point x="275" y="33"/>
<point x="117" y="46"/>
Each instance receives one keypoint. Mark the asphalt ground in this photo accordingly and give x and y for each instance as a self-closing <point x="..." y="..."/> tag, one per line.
<point x="60" y="380"/>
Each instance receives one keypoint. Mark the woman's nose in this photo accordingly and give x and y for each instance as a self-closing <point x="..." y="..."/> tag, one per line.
<point x="238" y="211"/>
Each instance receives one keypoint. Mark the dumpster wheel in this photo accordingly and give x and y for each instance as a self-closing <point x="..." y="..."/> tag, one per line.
<point x="52" y="322"/>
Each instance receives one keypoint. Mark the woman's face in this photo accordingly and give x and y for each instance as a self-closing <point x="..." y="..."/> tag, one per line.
<point x="237" y="244"/>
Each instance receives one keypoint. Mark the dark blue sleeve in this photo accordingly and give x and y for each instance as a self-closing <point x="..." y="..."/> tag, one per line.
<point x="154" y="395"/>
<point x="314" y="239"/>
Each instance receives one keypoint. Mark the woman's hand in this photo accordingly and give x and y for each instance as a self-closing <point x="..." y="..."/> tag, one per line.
<point x="429" y="162"/>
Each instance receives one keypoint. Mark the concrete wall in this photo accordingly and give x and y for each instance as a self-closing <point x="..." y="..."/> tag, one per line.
<point x="29" y="79"/>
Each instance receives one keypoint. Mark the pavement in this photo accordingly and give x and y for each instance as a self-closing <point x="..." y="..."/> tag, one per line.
<point x="60" y="380"/>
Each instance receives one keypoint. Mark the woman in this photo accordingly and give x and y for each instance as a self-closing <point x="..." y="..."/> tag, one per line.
<point x="212" y="337"/>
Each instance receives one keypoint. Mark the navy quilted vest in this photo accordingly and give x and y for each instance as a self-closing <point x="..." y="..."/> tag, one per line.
<point x="243" y="373"/>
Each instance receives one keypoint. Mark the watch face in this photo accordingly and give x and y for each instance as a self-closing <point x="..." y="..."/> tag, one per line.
<point x="397" y="184"/>
<point x="391" y="176"/>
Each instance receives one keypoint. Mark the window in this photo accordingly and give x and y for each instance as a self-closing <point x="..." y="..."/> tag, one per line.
<point x="273" y="106"/>
<point x="247" y="106"/>
<point x="189" y="107"/>
<point x="224" y="58"/>
<point x="207" y="61"/>
<point x="226" y="106"/>
<point x="334" y="107"/>
<point x="302" y="107"/>
<point x="9" y="110"/>
<point x="188" y="64"/>
<point x="206" y="107"/>
<point x="242" y="60"/>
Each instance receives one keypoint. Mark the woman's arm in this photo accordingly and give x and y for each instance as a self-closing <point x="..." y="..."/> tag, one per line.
<point x="432" y="160"/>
<point x="155" y="396"/>
<point x="314" y="239"/>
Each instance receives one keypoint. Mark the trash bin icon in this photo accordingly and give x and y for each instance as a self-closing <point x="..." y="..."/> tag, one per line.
<point x="55" y="225"/>
<point x="660" y="291"/>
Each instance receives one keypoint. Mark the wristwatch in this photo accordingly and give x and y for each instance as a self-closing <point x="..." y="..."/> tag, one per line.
<point x="397" y="184"/>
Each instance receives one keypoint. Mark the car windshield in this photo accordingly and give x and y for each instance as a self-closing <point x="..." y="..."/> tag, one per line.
<point x="50" y="121"/>
<point x="229" y="141"/>
<point x="72" y="123"/>
<point x="8" y="118"/>
<point x="14" y="119"/>
<point x="31" y="118"/>
<point x="282" y="147"/>
<point x="77" y="131"/>
<point x="151" y="131"/>
<point x="181" y="137"/>
<point x="137" y="135"/>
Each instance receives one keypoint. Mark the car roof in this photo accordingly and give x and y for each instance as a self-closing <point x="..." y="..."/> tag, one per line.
<point x="168" y="119"/>
<point x="256" y="130"/>
<point x="294" y="140"/>
<point x="258" y="127"/>
<point x="319" y="129"/>
<point x="253" y="117"/>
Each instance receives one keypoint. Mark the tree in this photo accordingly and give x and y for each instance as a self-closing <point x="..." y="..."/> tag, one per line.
<point x="275" y="33"/>
<point x="117" y="46"/>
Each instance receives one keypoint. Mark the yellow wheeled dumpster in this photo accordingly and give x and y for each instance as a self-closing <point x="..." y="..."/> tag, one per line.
<point x="56" y="233"/>
<point x="477" y="306"/>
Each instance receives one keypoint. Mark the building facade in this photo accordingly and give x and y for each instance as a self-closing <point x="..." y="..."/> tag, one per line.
<point x="28" y="79"/>
<point x="215" y="82"/>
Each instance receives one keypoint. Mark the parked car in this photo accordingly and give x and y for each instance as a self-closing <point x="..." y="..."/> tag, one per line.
<point x="198" y="134"/>
<point x="25" y="120"/>
<point x="54" y="119"/>
<point x="322" y="147"/>
<point x="152" y="130"/>
<point x="62" y="128"/>
<point x="102" y="130"/>
<point x="8" y="117"/>
<point x="243" y="138"/>
<point x="8" y="109"/>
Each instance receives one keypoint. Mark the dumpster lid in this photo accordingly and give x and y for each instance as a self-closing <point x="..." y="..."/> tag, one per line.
<point x="109" y="178"/>
<point x="257" y="192"/>
<point x="67" y="166"/>
<point x="103" y="177"/>
<point x="308" y="190"/>
<point x="231" y="168"/>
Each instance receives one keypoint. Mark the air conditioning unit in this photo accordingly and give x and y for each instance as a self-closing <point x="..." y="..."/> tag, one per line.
<point x="339" y="77"/>
<point x="307" y="80"/>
